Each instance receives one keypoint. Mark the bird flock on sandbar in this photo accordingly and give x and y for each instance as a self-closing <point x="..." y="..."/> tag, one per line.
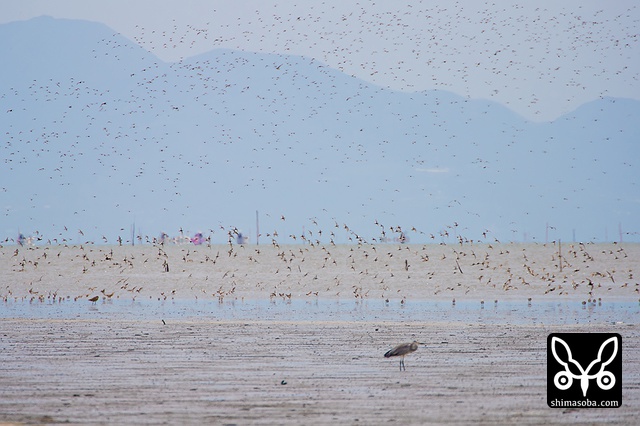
<point x="392" y="272"/>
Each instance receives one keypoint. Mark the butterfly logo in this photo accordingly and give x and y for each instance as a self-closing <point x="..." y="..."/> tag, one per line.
<point x="564" y="379"/>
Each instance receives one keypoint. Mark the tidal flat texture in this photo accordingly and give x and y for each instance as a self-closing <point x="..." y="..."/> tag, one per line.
<point x="273" y="352"/>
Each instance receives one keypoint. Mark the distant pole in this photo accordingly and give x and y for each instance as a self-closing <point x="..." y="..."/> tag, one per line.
<point x="620" y="230"/>
<point x="546" y="234"/>
<point x="133" y="233"/>
<point x="257" y="229"/>
<point x="560" y="253"/>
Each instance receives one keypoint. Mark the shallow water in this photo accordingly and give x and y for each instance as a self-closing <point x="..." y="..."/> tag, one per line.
<point x="504" y="312"/>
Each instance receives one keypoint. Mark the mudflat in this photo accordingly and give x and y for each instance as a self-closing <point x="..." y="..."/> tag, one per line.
<point x="268" y="353"/>
<point x="256" y="372"/>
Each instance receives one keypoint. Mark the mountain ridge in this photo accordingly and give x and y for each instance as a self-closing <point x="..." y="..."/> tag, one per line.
<point x="205" y="142"/>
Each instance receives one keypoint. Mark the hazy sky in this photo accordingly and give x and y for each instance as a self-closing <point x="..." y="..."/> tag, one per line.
<point x="541" y="59"/>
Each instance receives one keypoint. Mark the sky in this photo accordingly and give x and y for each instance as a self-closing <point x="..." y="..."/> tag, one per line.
<point x="541" y="59"/>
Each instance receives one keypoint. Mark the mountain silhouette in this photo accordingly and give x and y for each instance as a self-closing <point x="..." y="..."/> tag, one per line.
<point x="98" y="133"/>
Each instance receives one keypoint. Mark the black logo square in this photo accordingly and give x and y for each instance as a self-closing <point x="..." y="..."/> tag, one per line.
<point x="584" y="370"/>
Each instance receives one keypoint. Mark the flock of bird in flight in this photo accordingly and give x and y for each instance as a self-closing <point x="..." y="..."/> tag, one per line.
<point x="365" y="271"/>
<point x="479" y="49"/>
<point x="204" y="118"/>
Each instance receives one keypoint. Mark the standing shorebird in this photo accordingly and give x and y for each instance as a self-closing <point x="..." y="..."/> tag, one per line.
<point x="402" y="350"/>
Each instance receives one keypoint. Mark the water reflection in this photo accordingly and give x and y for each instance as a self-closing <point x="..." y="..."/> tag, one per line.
<point x="504" y="312"/>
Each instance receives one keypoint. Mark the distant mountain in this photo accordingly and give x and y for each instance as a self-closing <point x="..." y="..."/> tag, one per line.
<point x="98" y="133"/>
